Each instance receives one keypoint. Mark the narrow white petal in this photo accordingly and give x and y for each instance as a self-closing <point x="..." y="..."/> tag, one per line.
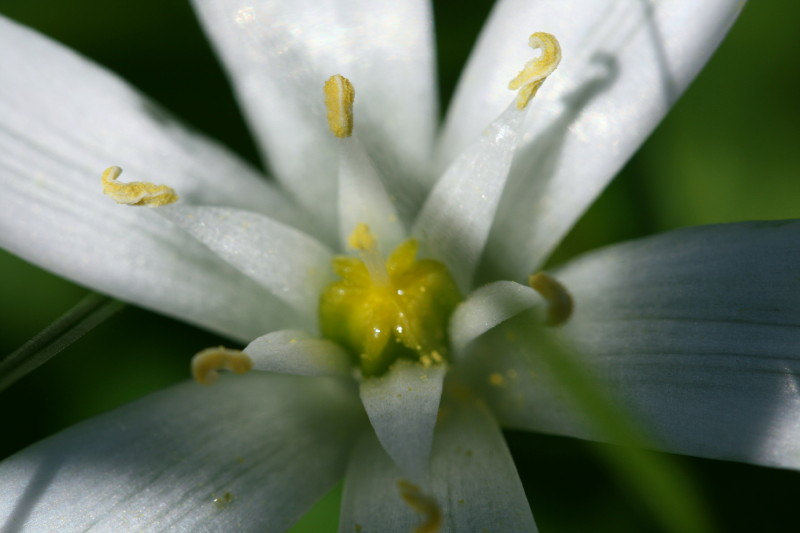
<point x="363" y="199"/>
<point x="280" y="53"/>
<point x="250" y="453"/>
<point x="290" y="264"/>
<point x="371" y="502"/>
<point x="697" y="333"/>
<point x="624" y="64"/>
<point x="64" y="120"/>
<point x="454" y="222"/>
<point x="472" y="469"/>
<point x="487" y="307"/>
<point x="297" y="352"/>
<point x="472" y="475"/>
<point x="402" y="407"/>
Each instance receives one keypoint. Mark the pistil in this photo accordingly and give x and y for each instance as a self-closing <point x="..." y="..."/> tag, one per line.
<point x="367" y="245"/>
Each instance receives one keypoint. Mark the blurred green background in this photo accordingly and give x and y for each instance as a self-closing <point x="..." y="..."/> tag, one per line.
<point x="727" y="152"/>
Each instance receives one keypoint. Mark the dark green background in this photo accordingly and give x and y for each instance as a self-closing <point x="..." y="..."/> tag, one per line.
<point x="727" y="152"/>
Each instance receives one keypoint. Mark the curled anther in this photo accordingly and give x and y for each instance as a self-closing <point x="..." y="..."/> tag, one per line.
<point x="424" y="504"/>
<point x="339" y="97"/>
<point x="535" y="71"/>
<point x="205" y="364"/>
<point x="136" y="192"/>
<point x="559" y="301"/>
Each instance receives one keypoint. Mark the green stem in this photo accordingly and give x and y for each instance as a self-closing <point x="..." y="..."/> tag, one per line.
<point x="91" y="311"/>
<point x="659" y="480"/>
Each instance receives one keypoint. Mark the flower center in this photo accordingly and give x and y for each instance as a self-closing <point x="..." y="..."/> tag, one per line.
<point x="384" y="311"/>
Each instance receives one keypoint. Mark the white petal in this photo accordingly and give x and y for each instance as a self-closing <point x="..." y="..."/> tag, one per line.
<point x="62" y="122"/>
<point x="363" y="199"/>
<point x="297" y="352"/>
<point x="402" y="407"/>
<point x="487" y="307"/>
<point x="455" y="220"/>
<point x="250" y="453"/>
<point x="371" y="502"/>
<point x="280" y="53"/>
<point x="624" y="64"/>
<point x="697" y="332"/>
<point x="290" y="264"/>
<point x="64" y="119"/>
<point x="472" y="475"/>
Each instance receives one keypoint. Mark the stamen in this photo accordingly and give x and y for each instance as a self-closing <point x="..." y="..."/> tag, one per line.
<point x="365" y="242"/>
<point x="423" y="504"/>
<point x="206" y="364"/>
<point x="137" y="192"/>
<point x="559" y="301"/>
<point x="535" y="71"/>
<point x="339" y="96"/>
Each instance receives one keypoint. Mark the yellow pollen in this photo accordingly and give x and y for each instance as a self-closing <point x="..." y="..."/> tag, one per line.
<point x="535" y="71"/>
<point x="424" y="504"/>
<point x="206" y="364"/>
<point x="339" y="97"/>
<point x="137" y="192"/>
<point x="432" y="359"/>
<point x="559" y="301"/>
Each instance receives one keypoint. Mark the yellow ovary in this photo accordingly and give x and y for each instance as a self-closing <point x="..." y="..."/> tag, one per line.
<point x="382" y="311"/>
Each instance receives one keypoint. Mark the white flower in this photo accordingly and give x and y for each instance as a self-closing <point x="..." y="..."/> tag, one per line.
<point x="696" y="331"/>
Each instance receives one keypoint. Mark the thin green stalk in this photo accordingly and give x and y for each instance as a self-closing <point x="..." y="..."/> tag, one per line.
<point x="90" y="312"/>
<point x="661" y="483"/>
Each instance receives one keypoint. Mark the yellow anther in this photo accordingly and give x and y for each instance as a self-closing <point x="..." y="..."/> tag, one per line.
<point x="137" y="192"/>
<point x="206" y="364"/>
<point x="339" y="96"/>
<point x="559" y="301"/>
<point x="424" y="504"/>
<point x="535" y="71"/>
